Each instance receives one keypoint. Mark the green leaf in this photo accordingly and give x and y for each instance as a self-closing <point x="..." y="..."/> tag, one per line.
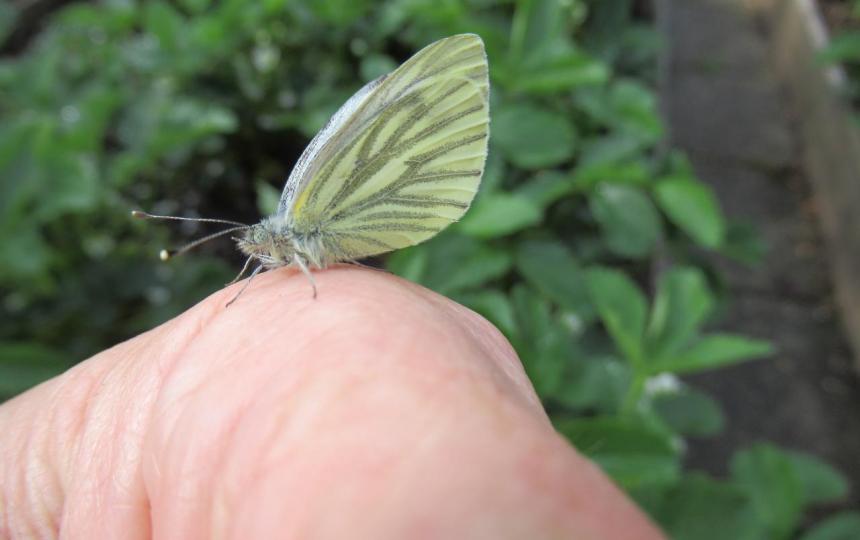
<point x="632" y="454"/>
<point x="499" y="214"/>
<point x="376" y="65"/>
<point x="74" y="185"/>
<point x="15" y="157"/>
<point x="546" y="187"/>
<point x="23" y="253"/>
<point x="165" y="23"/>
<point x="611" y="148"/>
<point x="341" y="13"/>
<point x="473" y="269"/>
<point x="495" y="172"/>
<point x="769" y="478"/>
<point x="594" y="383"/>
<point x="214" y="119"/>
<point x="682" y="304"/>
<point x="634" y="110"/>
<point x="713" y="351"/>
<point x="536" y="26"/>
<point x="842" y="48"/>
<point x="196" y="6"/>
<point x="743" y="243"/>
<point x="628" y="220"/>
<point x="587" y="176"/>
<point x="559" y="72"/>
<point x="689" y="412"/>
<point x="627" y="107"/>
<point x="533" y="137"/>
<point x="622" y="307"/>
<point x="551" y="269"/>
<point x="450" y="263"/>
<point x="23" y="365"/>
<point x="700" y="508"/>
<point x="544" y="346"/>
<point x="8" y="17"/>
<point x="268" y="198"/>
<point x="495" y="306"/>
<point x="410" y="263"/>
<point x="692" y="206"/>
<point x="820" y="482"/>
<point x="320" y="102"/>
<point x="841" y="526"/>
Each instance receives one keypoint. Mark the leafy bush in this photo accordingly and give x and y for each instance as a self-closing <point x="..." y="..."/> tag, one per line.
<point x="586" y="245"/>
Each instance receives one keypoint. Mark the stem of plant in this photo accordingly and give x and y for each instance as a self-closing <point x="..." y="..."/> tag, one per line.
<point x="634" y="393"/>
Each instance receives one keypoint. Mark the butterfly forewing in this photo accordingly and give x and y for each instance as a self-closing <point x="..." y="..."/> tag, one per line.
<point x="402" y="160"/>
<point x="313" y="156"/>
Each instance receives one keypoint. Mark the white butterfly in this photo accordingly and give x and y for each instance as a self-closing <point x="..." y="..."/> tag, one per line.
<point x="397" y="163"/>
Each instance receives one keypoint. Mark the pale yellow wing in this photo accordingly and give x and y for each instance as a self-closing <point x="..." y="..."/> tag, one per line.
<point x="401" y="160"/>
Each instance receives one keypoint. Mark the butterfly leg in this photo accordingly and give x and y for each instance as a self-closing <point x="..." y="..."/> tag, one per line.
<point x="245" y="286"/>
<point x="244" y="269"/>
<point x="300" y="262"/>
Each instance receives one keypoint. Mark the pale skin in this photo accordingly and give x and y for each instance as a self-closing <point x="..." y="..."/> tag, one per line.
<point x="379" y="410"/>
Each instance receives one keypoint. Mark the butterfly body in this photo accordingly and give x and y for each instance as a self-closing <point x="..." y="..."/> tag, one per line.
<point x="401" y="160"/>
<point x="275" y="243"/>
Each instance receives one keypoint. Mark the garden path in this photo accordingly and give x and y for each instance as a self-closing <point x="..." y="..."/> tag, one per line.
<point x="726" y="109"/>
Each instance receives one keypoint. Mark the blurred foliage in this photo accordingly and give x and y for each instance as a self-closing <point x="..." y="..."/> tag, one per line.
<point x="588" y="245"/>
<point x="844" y="48"/>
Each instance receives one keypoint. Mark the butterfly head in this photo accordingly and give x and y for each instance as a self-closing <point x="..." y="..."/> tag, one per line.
<point x="267" y="242"/>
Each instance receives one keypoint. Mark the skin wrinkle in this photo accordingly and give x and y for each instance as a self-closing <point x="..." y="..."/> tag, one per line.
<point x="282" y="437"/>
<point x="189" y="328"/>
<point x="215" y="367"/>
<point x="188" y="475"/>
<point x="235" y="420"/>
<point x="78" y="423"/>
<point x="95" y="453"/>
<point x="97" y="469"/>
<point x="21" y="525"/>
<point x="218" y="520"/>
<point x="229" y="487"/>
<point x="18" y="479"/>
<point x="35" y="476"/>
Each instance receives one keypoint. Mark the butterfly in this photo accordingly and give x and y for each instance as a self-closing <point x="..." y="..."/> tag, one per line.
<point x="401" y="160"/>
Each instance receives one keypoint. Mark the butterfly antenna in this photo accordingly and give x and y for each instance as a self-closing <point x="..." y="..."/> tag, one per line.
<point x="146" y="215"/>
<point x="167" y="254"/>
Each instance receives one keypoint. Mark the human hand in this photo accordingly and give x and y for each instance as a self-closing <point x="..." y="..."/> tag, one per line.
<point x="378" y="410"/>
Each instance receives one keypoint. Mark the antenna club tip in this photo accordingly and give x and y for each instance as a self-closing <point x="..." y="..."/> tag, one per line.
<point x="163" y="254"/>
<point x="139" y="214"/>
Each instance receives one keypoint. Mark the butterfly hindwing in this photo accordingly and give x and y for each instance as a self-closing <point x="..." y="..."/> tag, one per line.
<point x="401" y="160"/>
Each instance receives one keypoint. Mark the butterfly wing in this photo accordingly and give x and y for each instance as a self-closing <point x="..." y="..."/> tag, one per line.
<point x="401" y="160"/>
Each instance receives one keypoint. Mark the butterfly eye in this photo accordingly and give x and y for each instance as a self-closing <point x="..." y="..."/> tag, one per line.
<point x="260" y="235"/>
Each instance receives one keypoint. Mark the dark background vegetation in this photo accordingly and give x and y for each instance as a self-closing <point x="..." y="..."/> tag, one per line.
<point x="589" y="246"/>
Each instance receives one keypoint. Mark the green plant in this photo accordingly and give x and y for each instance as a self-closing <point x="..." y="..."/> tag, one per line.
<point x="584" y="246"/>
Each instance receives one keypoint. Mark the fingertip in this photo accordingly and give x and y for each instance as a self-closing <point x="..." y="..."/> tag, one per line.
<point x="370" y="308"/>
